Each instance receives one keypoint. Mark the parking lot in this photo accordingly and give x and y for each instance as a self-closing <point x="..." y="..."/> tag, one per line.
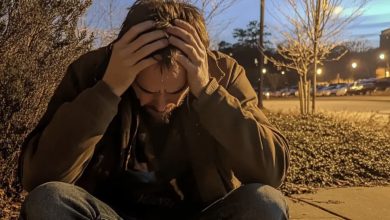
<point x="371" y="86"/>
<point x="364" y="103"/>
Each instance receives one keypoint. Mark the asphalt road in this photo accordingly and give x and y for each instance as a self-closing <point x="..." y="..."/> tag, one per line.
<point x="361" y="104"/>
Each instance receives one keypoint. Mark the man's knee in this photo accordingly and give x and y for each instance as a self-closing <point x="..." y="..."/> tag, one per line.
<point x="261" y="201"/>
<point x="48" y="200"/>
<point x="47" y="193"/>
<point x="250" y="201"/>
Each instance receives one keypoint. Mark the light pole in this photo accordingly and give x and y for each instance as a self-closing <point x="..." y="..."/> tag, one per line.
<point x="354" y="65"/>
<point x="383" y="57"/>
<point x="261" y="58"/>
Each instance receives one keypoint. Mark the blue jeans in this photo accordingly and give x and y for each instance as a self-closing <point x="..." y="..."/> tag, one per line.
<point x="57" y="200"/>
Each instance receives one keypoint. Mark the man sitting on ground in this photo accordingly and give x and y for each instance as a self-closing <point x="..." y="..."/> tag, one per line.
<point x="155" y="126"/>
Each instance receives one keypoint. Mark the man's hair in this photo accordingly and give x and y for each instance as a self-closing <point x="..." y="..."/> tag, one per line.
<point x="164" y="12"/>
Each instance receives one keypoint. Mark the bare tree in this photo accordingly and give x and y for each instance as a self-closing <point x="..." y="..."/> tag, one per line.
<point x="309" y="31"/>
<point x="103" y="19"/>
<point x="212" y="8"/>
<point x="105" y="16"/>
<point x="358" y="46"/>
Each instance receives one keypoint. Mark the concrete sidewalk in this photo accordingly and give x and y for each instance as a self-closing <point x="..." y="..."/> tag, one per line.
<point x="342" y="203"/>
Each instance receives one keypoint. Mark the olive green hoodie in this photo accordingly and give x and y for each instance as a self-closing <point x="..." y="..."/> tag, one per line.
<point x="86" y="134"/>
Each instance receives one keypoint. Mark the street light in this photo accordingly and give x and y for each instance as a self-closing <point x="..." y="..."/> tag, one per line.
<point x="354" y="65"/>
<point x="283" y="73"/>
<point x="264" y="70"/>
<point x="382" y="56"/>
<point x="319" y="71"/>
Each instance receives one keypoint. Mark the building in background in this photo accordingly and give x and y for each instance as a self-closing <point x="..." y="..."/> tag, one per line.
<point x="383" y="69"/>
<point x="384" y="42"/>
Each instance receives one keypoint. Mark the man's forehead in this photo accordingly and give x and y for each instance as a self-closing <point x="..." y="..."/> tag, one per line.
<point x="161" y="70"/>
<point x="153" y="77"/>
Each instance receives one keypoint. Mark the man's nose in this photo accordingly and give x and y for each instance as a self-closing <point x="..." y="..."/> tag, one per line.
<point x="161" y="102"/>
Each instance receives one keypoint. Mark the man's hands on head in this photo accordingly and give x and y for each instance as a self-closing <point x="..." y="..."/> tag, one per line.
<point x="129" y="54"/>
<point x="184" y="37"/>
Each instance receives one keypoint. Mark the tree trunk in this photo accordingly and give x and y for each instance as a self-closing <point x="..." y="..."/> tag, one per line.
<point x="308" y="97"/>
<point x="316" y="27"/>
<point x="300" y="94"/>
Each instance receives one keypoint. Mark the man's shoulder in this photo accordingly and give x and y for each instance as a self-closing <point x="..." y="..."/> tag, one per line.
<point x="225" y="68"/>
<point x="92" y="58"/>
<point x="223" y="58"/>
<point x="90" y="67"/>
<point x="226" y="63"/>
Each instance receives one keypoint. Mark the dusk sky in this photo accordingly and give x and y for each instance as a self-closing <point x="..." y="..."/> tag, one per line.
<point x="375" y="18"/>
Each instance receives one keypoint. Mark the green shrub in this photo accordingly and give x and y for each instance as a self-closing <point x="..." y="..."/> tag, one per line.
<point x="327" y="151"/>
<point x="38" y="40"/>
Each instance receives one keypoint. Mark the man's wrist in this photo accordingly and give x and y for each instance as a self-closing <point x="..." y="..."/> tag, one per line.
<point x="211" y="86"/>
<point x="202" y="88"/>
<point x="112" y="88"/>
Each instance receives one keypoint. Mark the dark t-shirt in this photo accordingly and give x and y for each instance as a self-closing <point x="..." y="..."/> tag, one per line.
<point x="137" y="190"/>
<point x="150" y="143"/>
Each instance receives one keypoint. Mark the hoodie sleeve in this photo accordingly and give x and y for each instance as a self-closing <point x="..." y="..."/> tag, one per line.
<point x="257" y="151"/>
<point x="63" y="142"/>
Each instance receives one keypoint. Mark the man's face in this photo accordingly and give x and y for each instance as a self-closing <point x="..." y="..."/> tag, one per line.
<point x="160" y="90"/>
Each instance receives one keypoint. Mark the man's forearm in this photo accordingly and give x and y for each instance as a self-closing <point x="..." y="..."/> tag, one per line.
<point x="257" y="150"/>
<point x="68" y="141"/>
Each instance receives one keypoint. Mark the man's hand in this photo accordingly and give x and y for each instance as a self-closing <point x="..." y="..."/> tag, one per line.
<point x="128" y="55"/>
<point x="184" y="37"/>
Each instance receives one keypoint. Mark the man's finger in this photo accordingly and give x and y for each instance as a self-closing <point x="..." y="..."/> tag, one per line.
<point x="148" y="49"/>
<point x="189" y="50"/>
<point x="134" y="31"/>
<point x="143" y="64"/>
<point x="185" y="62"/>
<point x="145" y="39"/>
<point x="186" y="26"/>
<point x="185" y="36"/>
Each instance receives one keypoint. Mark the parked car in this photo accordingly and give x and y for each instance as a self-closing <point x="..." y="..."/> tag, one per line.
<point x="340" y="90"/>
<point x="323" y="91"/>
<point x="382" y="84"/>
<point x="362" y="87"/>
<point x="330" y="90"/>
<point x="292" y="90"/>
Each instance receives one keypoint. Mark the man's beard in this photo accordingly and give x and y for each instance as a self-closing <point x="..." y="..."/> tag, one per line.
<point x="161" y="117"/>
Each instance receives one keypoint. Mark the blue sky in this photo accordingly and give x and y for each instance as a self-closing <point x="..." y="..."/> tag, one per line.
<point x="368" y="27"/>
<point x="375" y="18"/>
